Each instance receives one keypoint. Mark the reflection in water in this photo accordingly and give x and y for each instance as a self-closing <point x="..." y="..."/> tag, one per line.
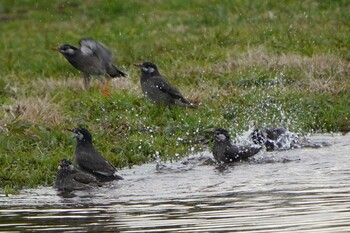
<point x="308" y="193"/>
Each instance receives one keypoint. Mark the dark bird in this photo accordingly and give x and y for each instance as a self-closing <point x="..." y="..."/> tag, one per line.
<point x="226" y="152"/>
<point x="90" y="160"/>
<point x="268" y="137"/>
<point x="92" y="58"/>
<point x="157" y="89"/>
<point x="68" y="178"/>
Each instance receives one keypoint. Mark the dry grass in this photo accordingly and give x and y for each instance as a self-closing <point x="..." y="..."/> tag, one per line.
<point x="51" y="84"/>
<point x="315" y="66"/>
<point x="35" y="110"/>
<point x="319" y="73"/>
<point x="45" y="87"/>
<point x="125" y="84"/>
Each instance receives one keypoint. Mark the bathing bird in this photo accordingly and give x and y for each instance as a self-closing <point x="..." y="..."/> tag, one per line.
<point x="92" y="58"/>
<point x="157" y="89"/>
<point x="226" y="152"/>
<point x="90" y="160"/>
<point x="268" y="137"/>
<point x="68" y="178"/>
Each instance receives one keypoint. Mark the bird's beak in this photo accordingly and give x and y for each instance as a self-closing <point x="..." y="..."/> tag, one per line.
<point x="56" y="48"/>
<point x="73" y="132"/>
<point x="137" y="65"/>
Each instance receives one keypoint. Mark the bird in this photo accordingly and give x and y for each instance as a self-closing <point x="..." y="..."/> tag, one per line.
<point x="226" y="152"/>
<point x="68" y="178"/>
<point x="90" y="160"/>
<point x="92" y="58"/>
<point x="157" y="89"/>
<point x="268" y="137"/>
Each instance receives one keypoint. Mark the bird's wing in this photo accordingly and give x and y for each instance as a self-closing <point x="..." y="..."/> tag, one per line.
<point x="244" y="152"/>
<point x="163" y="85"/>
<point x="231" y="153"/>
<point x="84" y="178"/>
<point x="90" y="46"/>
<point x="93" y="161"/>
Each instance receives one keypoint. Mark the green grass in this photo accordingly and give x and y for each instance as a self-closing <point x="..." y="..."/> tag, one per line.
<point x="275" y="63"/>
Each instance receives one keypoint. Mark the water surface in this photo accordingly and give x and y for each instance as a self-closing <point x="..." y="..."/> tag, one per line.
<point x="302" y="190"/>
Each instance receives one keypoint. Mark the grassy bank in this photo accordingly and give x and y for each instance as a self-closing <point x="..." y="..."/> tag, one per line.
<point x="278" y="63"/>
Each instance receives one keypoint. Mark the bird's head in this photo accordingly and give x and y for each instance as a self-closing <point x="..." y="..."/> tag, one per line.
<point x="82" y="135"/>
<point x="65" y="164"/>
<point x="148" y="68"/>
<point x="221" y="135"/>
<point x="66" y="49"/>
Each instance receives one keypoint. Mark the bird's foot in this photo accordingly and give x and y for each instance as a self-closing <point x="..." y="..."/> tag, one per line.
<point x="104" y="89"/>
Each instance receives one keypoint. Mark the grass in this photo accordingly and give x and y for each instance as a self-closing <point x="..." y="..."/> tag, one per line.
<point x="275" y="63"/>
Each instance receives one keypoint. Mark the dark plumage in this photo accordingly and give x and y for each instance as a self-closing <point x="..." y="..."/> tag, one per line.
<point x="226" y="152"/>
<point x="90" y="160"/>
<point x="92" y="58"/>
<point x="157" y="89"/>
<point x="267" y="137"/>
<point x="275" y="133"/>
<point x="68" y="178"/>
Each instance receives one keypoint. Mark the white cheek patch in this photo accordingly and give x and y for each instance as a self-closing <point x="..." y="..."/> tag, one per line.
<point x="67" y="51"/>
<point x="71" y="167"/>
<point x="150" y="70"/>
<point x="78" y="135"/>
<point x="144" y="69"/>
<point x="221" y="137"/>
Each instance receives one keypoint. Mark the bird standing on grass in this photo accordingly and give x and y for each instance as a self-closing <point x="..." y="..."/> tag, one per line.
<point x="157" y="89"/>
<point x="226" y="152"/>
<point x="68" y="178"/>
<point x="92" y="58"/>
<point x="90" y="160"/>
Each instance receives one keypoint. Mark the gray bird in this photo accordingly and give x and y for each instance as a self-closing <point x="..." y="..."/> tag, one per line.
<point x="68" y="178"/>
<point x="92" y="58"/>
<point x="226" y="152"/>
<point x="157" y="89"/>
<point x="90" y="160"/>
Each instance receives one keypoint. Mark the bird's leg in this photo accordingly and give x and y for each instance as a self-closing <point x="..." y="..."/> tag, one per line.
<point x="104" y="88"/>
<point x="87" y="78"/>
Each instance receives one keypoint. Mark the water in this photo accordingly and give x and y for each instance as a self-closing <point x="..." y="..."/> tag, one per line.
<point x="302" y="190"/>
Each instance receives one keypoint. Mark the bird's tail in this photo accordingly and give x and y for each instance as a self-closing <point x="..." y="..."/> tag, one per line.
<point x="114" y="72"/>
<point x="188" y="103"/>
<point x="191" y="105"/>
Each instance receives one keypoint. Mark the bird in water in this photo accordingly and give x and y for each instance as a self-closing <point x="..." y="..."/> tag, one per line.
<point x="157" y="89"/>
<point x="92" y="58"/>
<point x="90" y="160"/>
<point x="226" y="152"/>
<point x="68" y="178"/>
<point x="268" y="137"/>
